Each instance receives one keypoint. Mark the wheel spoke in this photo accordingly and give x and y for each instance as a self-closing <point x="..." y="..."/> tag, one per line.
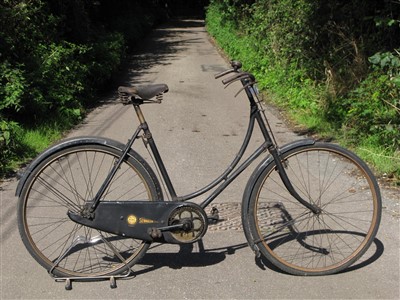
<point x="64" y="183"/>
<point x="301" y="242"/>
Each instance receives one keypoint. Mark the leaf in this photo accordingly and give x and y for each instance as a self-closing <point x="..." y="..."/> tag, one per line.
<point x="375" y="59"/>
<point x="396" y="81"/>
<point x="385" y="61"/>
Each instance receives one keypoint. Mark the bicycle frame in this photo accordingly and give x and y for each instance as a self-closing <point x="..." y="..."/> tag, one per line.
<point x="229" y="175"/>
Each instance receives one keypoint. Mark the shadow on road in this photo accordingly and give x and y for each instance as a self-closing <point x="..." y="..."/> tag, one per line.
<point x="187" y="258"/>
<point x="207" y="257"/>
<point x="370" y="257"/>
<point x="162" y="47"/>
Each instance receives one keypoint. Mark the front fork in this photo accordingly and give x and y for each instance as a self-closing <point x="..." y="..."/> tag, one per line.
<point x="271" y="146"/>
<point x="286" y="181"/>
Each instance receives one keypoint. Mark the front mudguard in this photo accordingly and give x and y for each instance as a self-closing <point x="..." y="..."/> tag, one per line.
<point x="77" y="141"/>
<point x="253" y="179"/>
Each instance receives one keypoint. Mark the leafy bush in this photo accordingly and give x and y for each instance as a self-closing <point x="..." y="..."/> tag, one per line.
<point x="12" y="87"/>
<point x="57" y="81"/>
<point x="106" y="56"/>
<point x="54" y="57"/>
<point x="266" y="52"/>
<point x="374" y="106"/>
<point x="312" y="58"/>
<point x="8" y="145"/>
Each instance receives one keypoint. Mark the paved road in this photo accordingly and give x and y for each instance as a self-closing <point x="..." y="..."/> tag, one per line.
<point x="199" y="128"/>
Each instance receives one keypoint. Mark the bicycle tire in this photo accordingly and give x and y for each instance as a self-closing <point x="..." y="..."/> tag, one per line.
<point x="300" y="242"/>
<point x="64" y="181"/>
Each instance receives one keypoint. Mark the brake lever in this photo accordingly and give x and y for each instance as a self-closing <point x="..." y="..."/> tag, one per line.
<point x="245" y="86"/>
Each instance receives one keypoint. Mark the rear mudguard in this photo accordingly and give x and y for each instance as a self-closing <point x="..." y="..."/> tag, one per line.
<point x="253" y="179"/>
<point x="84" y="140"/>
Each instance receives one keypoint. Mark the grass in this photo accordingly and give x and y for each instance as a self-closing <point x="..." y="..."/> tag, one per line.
<point x="384" y="160"/>
<point x="32" y="140"/>
<point x="40" y="138"/>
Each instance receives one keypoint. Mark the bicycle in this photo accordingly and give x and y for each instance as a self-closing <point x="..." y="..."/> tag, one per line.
<point x="89" y="207"/>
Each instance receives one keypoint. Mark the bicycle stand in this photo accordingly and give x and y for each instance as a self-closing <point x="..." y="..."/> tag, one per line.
<point x="83" y="240"/>
<point x="112" y="279"/>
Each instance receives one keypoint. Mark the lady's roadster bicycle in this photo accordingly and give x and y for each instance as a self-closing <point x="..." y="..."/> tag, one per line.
<point x="90" y="207"/>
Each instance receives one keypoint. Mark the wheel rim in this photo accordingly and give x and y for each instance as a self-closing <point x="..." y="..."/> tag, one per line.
<point x="65" y="183"/>
<point x="315" y="243"/>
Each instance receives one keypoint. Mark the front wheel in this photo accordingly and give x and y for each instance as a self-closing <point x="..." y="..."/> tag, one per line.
<point x="63" y="182"/>
<point x="301" y="242"/>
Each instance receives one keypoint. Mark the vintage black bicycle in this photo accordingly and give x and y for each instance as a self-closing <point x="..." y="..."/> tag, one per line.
<point x="90" y="207"/>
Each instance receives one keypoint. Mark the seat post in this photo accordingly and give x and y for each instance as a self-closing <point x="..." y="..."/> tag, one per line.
<point x="139" y="114"/>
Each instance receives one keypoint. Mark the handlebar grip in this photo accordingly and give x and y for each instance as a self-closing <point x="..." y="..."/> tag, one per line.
<point x="237" y="76"/>
<point x="232" y="78"/>
<point x="216" y="76"/>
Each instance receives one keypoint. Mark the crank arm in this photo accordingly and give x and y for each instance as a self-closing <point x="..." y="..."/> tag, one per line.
<point x="156" y="233"/>
<point x="171" y="227"/>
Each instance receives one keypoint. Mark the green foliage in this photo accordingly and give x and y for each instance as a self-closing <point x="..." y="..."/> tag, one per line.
<point x="264" y="50"/>
<point x="374" y="106"/>
<point x="282" y="29"/>
<point x="12" y="86"/>
<point x="57" y="80"/>
<point x="106" y="56"/>
<point x="22" y="25"/>
<point x="8" y="145"/>
<point x="54" y="57"/>
<point x="331" y="64"/>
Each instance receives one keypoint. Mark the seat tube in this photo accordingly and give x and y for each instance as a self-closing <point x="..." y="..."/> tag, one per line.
<point x="160" y="164"/>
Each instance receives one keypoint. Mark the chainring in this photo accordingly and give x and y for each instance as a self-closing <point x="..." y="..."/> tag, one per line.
<point x="190" y="214"/>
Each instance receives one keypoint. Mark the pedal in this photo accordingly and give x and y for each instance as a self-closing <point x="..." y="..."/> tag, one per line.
<point x="213" y="218"/>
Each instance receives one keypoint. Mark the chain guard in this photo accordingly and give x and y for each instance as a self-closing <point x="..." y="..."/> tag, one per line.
<point x="152" y="221"/>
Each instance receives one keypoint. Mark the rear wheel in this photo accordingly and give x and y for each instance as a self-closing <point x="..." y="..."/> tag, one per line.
<point x="65" y="181"/>
<point x="300" y="242"/>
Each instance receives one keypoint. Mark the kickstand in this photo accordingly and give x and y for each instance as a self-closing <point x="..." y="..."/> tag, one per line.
<point x="94" y="240"/>
<point x="112" y="279"/>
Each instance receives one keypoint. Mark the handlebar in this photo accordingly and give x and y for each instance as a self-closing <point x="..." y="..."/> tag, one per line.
<point x="236" y="65"/>
<point x="223" y="73"/>
<point x="247" y="79"/>
<point x="239" y="76"/>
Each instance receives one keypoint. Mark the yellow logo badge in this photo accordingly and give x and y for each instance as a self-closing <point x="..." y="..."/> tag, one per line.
<point x="132" y="220"/>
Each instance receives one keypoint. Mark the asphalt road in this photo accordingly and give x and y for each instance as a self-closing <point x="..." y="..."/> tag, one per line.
<point x="198" y="129"/>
